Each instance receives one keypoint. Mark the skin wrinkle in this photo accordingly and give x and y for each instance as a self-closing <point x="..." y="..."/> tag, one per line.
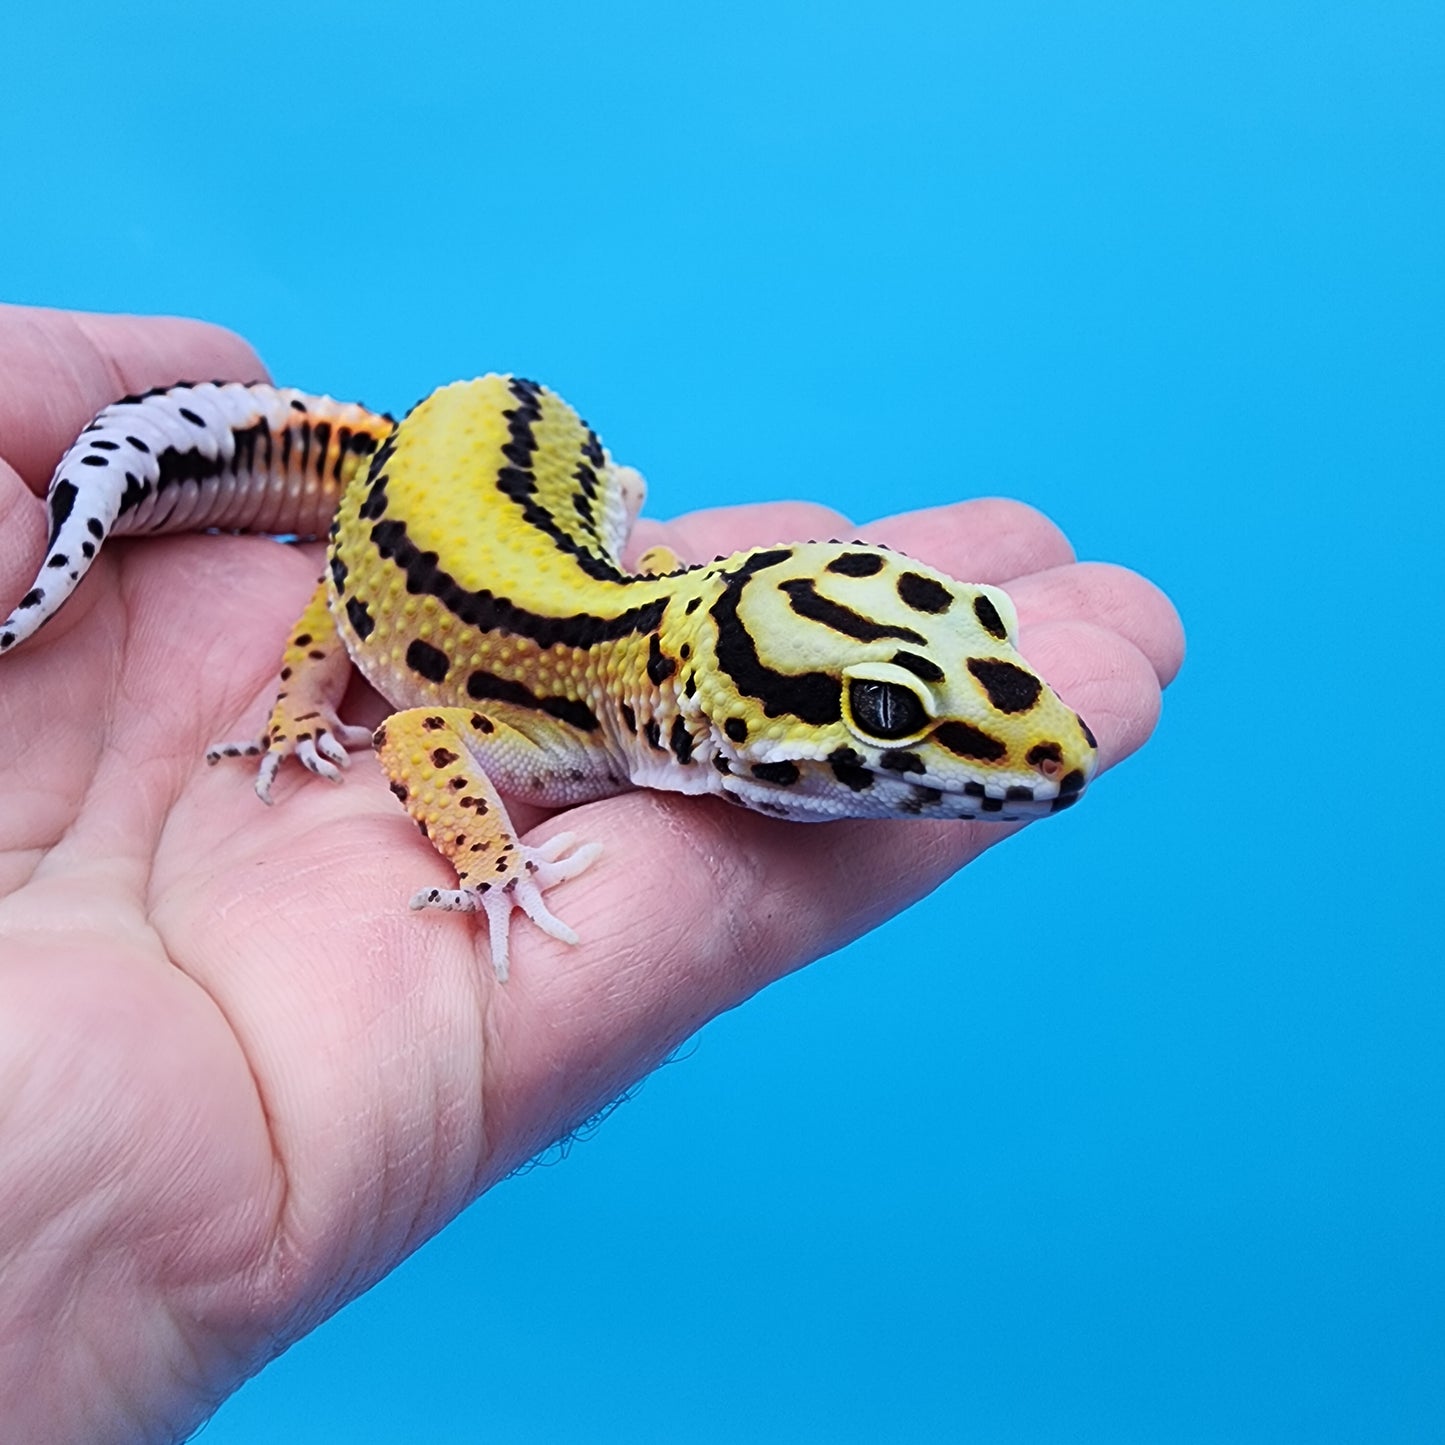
<point x="281" y="1183"/>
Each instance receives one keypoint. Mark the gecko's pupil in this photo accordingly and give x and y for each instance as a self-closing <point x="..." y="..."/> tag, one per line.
<point x="885" y="709"/>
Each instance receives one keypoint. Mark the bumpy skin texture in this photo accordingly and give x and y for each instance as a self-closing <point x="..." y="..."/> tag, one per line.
<point x="237" y="1086"/>
<point x="475" y="564"/>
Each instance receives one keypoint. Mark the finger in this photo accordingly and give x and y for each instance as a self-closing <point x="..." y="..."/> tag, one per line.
<point x="695" y="905"/>
<point x="721" y="531"/>
<point x="1111" y="597"/>
<point x="990" y="540"/>
<point x="22" y="536"/>
<point x="58" y="368"/>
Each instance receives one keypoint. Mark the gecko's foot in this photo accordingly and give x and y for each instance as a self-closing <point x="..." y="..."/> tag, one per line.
<point x="522" y="887"/>
<point x="319" y="741"/>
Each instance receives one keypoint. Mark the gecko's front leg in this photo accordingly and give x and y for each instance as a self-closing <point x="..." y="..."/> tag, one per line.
<point x="441" y="762"/>
<point x="303" y="723"/>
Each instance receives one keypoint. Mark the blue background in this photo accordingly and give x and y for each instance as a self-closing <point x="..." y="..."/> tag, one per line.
<point x="1133" y="1132"/>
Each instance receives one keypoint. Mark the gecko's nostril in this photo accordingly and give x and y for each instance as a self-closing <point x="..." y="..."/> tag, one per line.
<point x="1048" y="758"/>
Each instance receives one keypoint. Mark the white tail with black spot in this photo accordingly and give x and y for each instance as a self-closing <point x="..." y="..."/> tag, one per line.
<point x="190" y="458"/>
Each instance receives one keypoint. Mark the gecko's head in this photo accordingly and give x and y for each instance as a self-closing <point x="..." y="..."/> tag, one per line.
<point x="855" y="682"/>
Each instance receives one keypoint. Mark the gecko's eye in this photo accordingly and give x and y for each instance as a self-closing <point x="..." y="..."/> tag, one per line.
<point x="885" y="709"/>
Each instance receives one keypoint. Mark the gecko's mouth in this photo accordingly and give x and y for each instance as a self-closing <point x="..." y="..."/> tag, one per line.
<point x="879" y="793"/>
<point x="993" y="802"/>
<point x="1022" y="800"/>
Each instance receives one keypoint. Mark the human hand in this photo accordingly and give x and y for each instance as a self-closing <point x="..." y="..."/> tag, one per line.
<point x="239" y="1080"/>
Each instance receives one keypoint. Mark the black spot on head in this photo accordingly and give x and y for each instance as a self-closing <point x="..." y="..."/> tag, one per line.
<point x="433" y="724"/>
<point x="442" y="757"/>
<point x="967" y="741"/>
<point x="815" y="697"/>
<point x="847" y="765"/>
<point x="920" y="667"/>
<point x="807" y="602"/>
<point x="987" y="615"/>
<point x="361" y="619"/>
<point x="856" y="564"/>
<point x="736" y="729"/>
<point x="681" y="740"/>
<point x="399" y="789"/>
<point x="659" y="667"/>
<point x="1088" y="733"/>
<point x="1010" y="688"/>
<point x="481" y="724"/>
<point x="783" y="774"/>
<point x="301" y="640"/>
<point x="427" y="661"/>
<point x="899" y="760"/>
<point x="338" y="573"/>
<point x="923" y="594"/>
<point x="1071" y="783"/>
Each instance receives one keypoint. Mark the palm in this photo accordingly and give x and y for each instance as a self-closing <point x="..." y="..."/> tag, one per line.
<point x="257" y="1077"/>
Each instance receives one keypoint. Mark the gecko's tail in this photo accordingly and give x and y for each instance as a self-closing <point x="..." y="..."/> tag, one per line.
<point x="192" y="457"/>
